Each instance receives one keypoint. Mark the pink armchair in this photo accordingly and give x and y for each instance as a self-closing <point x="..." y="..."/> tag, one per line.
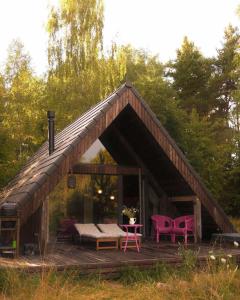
<point x="162" y="225"/>
<point x="183" y="226"/>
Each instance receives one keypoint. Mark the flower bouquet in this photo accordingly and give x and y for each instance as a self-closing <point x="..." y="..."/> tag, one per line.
<point x="130" y="212"/>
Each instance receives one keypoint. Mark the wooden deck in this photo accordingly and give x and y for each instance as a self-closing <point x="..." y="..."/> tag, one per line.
<point x="63" y="256"/>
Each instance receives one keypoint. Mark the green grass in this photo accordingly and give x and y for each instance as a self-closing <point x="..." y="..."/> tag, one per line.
<point x="218" y="279"/>
<point x="215" y="281"/>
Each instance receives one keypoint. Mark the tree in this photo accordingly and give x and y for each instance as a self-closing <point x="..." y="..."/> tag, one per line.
<point x="74" y="52"/>
<point x="22" y="109"/>
<point x="226" y="73"/>
<point x="208" y="92"/>
<point x="113" y="70"/>
<point x="2" y="92"/>
<point x="208" y="154"/>
<point x="190" y="74"/>
<point x="4" y="149"/>
<point x="23" y="104"/>
<point x="148" y="76"/>
<point x="226" y="82"/>
<point x="232" y="57"/>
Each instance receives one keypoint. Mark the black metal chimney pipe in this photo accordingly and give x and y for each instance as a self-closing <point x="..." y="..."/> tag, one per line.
<point x="51" y="138"/>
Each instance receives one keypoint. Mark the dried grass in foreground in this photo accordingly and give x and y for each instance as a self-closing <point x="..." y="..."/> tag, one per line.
<point x="217" y="281"/>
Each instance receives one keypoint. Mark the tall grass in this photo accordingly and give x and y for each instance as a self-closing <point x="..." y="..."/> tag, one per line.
<point x="48" y="285"/>
<point x="215" y="281"/>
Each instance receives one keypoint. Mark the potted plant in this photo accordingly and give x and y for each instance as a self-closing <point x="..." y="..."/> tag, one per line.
<point x="130" y="212"/>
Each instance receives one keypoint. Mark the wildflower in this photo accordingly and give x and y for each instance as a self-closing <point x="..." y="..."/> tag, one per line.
<point x="235" y="270"/>
<point x="223" y="260"/>
<point x="235" y="243"/>
<point x="160" y="285"/>
<point x="212" y="257"/>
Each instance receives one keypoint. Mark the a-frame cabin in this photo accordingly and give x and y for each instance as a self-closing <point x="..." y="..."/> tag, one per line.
<point x="135" y="138"/>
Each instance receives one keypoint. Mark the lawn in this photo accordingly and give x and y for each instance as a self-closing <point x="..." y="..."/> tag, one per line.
<point x="219" y="279"/>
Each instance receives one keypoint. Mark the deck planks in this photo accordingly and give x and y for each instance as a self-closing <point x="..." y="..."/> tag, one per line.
<point x="64" y="256"/>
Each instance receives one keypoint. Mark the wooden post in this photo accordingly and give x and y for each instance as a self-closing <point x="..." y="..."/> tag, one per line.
<point x="197" y="220"/>
<point x="144" y="207"/>
<point x="18" y="236"/>
<point x="44" y="236"/>
<point x="120" y="199"/>
<point x="42" y="233"/>
<point x="64" y="202"/>
<point x="141" y="213"/>
<point x="47" y="219"/>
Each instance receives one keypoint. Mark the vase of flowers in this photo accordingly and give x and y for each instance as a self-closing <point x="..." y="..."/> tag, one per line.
<point x="132" y="221"/>
<point x="130" y="212"/>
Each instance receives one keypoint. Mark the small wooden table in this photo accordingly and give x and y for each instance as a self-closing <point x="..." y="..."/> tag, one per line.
<point x="132" y="237"/>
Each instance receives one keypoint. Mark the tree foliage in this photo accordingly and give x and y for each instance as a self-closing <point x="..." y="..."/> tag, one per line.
<point x="148" y="76"/>
<point x="226" y="72"/>
<point x="196" y="98"/>
<point x="21" y="110"/>
<point x="74" y="53"/>
<point x="190" y="74"/>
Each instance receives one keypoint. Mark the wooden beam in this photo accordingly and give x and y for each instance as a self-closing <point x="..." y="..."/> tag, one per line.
<point x="155" y="184"/>
<point x="144" y="208"/>
<point x="18" y="237"/>
<point x="183" y="198"/>
<point x="141" y="207"/>
<point x="137" y="158"/>
<point x="146" y="205"/>
<point x="44" y="234"/>
<point x="105" y="169"/>
<point x="120" y="199"/>
<point x="198" y="220"/>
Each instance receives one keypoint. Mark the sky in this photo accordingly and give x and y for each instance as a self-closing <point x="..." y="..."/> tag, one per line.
<point x="157" y="26"/>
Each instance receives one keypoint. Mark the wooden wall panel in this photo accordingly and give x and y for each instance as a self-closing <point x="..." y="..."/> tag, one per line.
<point x="84" y="168"/>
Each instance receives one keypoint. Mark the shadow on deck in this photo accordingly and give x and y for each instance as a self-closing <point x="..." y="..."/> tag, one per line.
<point x="62" y="256"/>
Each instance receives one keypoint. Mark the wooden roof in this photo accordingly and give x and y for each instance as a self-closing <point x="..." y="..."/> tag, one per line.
<point x="43" y="171"/>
